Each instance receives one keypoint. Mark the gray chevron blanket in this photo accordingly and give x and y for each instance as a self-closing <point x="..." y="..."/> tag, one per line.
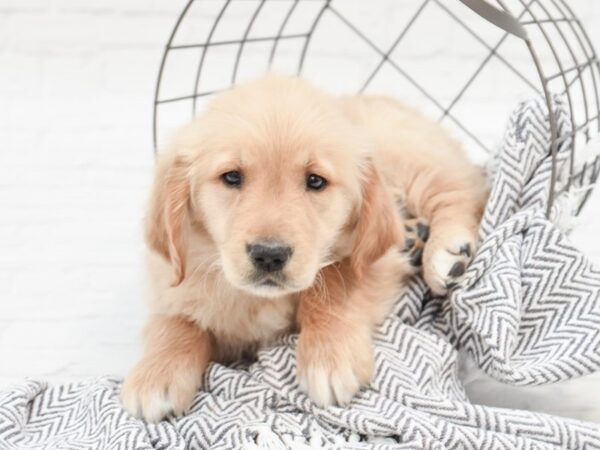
<point x="528" y="312"/>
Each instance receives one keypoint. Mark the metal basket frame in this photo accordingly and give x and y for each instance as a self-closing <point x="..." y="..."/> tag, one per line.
<point x="570" y="75"/>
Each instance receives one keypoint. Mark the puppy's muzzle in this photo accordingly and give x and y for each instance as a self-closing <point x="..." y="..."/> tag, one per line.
<point x="269" y="256"/>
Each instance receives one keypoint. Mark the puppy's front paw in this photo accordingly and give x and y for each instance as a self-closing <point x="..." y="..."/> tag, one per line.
<point x="154" y="389"/>
<point x="332" y="371"/>
<point x="446" y="258"/>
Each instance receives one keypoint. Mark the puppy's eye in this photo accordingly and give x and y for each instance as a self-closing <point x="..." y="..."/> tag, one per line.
<point x="315" y="182"/>
<point x="233" y="178"/>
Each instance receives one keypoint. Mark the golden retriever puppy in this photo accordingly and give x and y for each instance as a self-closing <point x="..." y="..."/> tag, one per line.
<point x="281" y="208"/>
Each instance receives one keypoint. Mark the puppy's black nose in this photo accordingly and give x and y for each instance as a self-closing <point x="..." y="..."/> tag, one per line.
<point x="269" y="257"/>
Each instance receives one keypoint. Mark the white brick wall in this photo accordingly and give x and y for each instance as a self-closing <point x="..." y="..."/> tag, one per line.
<point x="76" y="86"/>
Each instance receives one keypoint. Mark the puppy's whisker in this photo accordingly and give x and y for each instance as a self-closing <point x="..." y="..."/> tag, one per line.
<point x="341" y="278"/>
<point x="321" y="287"/>
<point x="326" y="262"/>
<point x="214" y="266"/>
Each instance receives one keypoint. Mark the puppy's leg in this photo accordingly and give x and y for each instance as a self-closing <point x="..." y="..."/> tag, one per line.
<point x="169" y="374"/>
<point x="337" y="317"/>
<point x="452" y="202"/>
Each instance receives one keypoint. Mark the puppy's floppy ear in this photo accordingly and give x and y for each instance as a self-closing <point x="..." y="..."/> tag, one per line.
<point x="377" y="227"/>
<point x="168" y="213"/>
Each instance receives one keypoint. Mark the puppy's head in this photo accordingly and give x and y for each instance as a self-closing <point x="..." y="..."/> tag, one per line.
<point x="279" y="181"/>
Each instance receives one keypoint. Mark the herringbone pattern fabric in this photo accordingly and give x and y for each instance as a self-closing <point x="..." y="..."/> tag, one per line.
<point x="528" y="312"/>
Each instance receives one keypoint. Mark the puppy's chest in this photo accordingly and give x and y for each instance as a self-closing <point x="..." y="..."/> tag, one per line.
<point x="239" y="321"/>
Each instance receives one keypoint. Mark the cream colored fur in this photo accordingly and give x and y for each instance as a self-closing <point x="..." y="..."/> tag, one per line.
<point x="378" y="157"/>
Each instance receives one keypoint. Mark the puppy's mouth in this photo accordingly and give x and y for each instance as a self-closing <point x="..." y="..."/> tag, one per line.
<point x="270" y="285"/>
<point x="270" y="281"/>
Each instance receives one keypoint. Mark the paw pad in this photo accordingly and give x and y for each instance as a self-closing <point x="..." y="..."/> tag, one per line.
<point x="416" y="257"/>
<point x="466" y="250"/>
<point x="457" y="269"/>
<point x="417" y="233"/>
<point x="422" y="231"/>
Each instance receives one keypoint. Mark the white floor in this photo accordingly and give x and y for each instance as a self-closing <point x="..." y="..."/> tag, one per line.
<point x="76" y="87"/>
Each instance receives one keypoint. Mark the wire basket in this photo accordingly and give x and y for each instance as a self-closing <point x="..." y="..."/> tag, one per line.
<point x="490" y="54"/>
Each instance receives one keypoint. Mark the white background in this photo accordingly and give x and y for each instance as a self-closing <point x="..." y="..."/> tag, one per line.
<point x="76" y="90"/>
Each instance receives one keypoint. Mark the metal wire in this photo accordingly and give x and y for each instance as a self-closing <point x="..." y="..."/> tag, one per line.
<point x="408" y="77"/>
<point x="162" y="67"/>
<point x="310" y="35"/>
<point x="578" y="70"/>
<point x="280" y="32"/>
<point x="553" y="118"/>
<point x="387" y="54"/>
<point x="205" y="50"/>
<point x="493" y="52"/>
<point x="245" y="39"/>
